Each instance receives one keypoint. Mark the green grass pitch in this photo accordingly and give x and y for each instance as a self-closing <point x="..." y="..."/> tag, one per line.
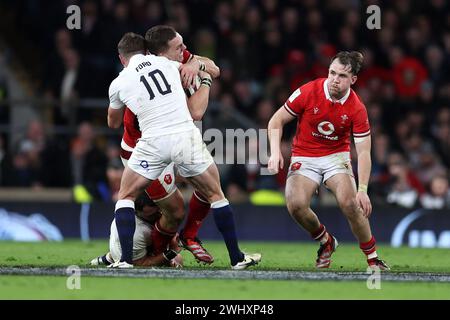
<point x="276" y="256"/>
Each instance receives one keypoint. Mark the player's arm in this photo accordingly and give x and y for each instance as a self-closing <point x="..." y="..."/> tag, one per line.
<point x="150" y="261"/>
<point x="198" y="102"/>
<point x="208" y="66"/>
<point x="116" y="106"/>
<point x="191" y="68"/>
<point x="115" y="117"/>
<point x="160" y="259"/>
<point x="275" y="132"/>
<point x="189" y="71"/>
<point x="363" y="146"/>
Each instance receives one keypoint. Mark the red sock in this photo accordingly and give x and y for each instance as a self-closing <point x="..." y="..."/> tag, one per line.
<point x="198" y="210"/>
<point x="161" y="238"/>
<point x="319" y="233"/>
<point x="368" y="247"/>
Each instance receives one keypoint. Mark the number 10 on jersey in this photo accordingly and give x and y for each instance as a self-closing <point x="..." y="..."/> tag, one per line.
<point x="153" y="75"/>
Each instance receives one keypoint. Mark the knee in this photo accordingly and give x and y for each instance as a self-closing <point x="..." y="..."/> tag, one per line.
<point x="214" y="194"/>
<point x="297" y="207"/>
<point x="128" y="193"/>
<point x="349" y="207"/>
<point x="176" y="214"/>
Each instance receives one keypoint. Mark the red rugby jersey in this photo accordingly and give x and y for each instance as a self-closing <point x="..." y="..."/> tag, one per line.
<point x="324" y="126"/>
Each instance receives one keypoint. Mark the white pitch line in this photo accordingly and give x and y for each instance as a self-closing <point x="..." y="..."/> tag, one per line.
<point x="228" y="274"/>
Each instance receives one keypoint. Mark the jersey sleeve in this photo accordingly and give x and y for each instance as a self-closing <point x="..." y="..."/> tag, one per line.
<point x="295" y="104"/>
<point x="361" y="125"/>
<point x="186" y="56"/>
<point x="114" y="100"/>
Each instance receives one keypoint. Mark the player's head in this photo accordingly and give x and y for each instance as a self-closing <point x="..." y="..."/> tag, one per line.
<point x="343" y="71"/>
<point x="146" y="208"/>
<point x="130" y="44"/>
<point x="165" y="41"/>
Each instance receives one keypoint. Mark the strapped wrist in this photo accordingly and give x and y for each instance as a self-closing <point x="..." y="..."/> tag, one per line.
<point x="169" y="254"/>
<point x="362" y="188"/>
<point x="206" y="82"/>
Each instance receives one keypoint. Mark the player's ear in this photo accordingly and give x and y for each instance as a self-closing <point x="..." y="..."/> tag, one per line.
<point x="353" y="80"/>
<point x="122" y="60"/>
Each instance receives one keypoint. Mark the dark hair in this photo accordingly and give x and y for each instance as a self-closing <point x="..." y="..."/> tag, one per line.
<point x="143" y="200"/>
<point x="158" y="38"/>
<point x="131" y="43"/>
<point x="354" y="59"/>
<point x="151" y="213"/>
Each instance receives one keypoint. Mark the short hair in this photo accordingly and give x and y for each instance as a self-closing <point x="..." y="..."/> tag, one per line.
<point x="158" y="38"/>
<point x="354" y="59"/>
<point x="130" y="44"/>
<point x="143" y="200"/>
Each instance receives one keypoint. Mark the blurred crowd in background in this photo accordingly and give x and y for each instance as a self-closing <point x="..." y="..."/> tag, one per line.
<point x="265" y="50"/>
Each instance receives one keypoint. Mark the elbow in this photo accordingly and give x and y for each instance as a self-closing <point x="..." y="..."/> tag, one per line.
<point x="197" y="116"/>
<point x="271" y="124"/>
<point x="113" y="124"/>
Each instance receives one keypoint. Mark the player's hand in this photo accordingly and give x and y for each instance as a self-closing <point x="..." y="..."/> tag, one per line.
<point x="188" y="72"/>
<point x="204" y="75"/>
<point x="176" y="262"/>
<point x="276" y="162"/>
<point x="173" y="244"/>
<point x="363" y="201"/>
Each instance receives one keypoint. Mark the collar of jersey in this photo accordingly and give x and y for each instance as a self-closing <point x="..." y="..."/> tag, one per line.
<point x="134" y="60"/>
<point x="328" y="96"/>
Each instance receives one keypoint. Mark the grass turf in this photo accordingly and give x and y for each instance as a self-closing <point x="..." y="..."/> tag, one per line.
<point x="276" y="256"/>
<point x="44" y="287"/>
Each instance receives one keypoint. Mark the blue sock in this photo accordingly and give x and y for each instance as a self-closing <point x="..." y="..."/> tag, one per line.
<point x="105" y="261"/>
<point x="224" y="220"/>
<point x="126" y="224"/>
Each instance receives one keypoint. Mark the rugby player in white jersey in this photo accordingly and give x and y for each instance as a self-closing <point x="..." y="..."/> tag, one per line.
<point x="163" y="192"/>
<point x="151" y="88"/>
<point x="163" y="40"/>
<point x="147" y="213"/>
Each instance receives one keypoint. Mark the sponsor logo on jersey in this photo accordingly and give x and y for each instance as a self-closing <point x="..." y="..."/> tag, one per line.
<point x="326" y="128"/>
<point x="316" y="110"/>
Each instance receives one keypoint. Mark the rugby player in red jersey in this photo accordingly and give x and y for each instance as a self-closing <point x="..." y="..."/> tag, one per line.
<point x="328" y="112"/>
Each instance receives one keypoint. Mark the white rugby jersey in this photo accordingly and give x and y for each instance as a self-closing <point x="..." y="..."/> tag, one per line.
<point x="150" y="87"/>
<point x="141" y="240"/>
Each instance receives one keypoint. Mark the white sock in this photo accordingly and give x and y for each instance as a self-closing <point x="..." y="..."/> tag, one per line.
<point x="324" y="238"/>
<point x="372" y="255"/>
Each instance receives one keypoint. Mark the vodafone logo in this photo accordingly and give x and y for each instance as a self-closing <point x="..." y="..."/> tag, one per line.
<point x="326" y="128"/>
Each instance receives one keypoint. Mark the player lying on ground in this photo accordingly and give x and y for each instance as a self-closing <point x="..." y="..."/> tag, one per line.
<point x="147" y="214"/>
<point x="327" y="112"/>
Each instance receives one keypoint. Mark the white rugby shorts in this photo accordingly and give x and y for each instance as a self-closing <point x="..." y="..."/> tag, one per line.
<point x="186" y="150"/>
<point x="320" y="169"/>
